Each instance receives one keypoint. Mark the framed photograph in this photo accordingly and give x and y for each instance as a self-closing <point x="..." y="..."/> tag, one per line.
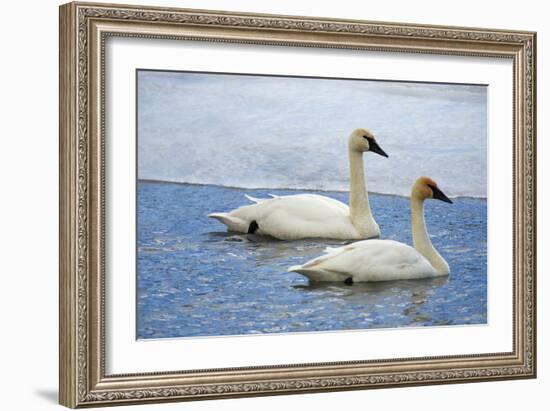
<point x="260" y="204"/>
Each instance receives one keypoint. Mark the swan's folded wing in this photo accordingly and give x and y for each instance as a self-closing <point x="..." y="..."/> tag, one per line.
<point x="297" y="216"/>
<point x="387" y="253"/>
<point x="391" y="260"/>
<point x="330" y="253"/>
<point x="373" y="259"/>
<point x="334" y="253"/>
<point x="331" y="202"/>
<point x="300" y="216"/>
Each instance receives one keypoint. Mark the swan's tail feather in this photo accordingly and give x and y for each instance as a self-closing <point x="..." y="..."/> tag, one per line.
<point x="260" y="200"/>
<point x="254" y="199"/>
<point x="232" y="223"/>
<point x="317" y="274"/>
<point x="300" y="269"/>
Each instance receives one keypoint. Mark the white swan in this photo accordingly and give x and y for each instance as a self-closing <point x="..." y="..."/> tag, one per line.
<point x="382" y="260"/>
<point x="314" y="216"/>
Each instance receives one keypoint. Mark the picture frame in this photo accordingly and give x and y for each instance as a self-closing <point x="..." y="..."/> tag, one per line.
<point x="84" y="30"/>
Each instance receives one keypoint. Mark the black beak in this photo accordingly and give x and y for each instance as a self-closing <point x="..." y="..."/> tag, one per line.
<point x="440" y="195"/>
<point x="375" y="148"/>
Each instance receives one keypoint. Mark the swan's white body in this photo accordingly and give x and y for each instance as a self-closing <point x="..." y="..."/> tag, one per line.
<point x="368" y="260"/>
<point x="380" y="260"/>
<point x="297" y="216"/>
<point x="313" y="216"/>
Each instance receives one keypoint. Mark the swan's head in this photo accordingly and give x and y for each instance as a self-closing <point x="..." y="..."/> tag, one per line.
<point x="362" y="140"/>
<point x="425" y="187"/>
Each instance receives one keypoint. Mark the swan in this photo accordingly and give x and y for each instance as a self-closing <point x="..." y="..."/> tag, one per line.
<point x="300" y="216"/>
<point x="383" y="260"/>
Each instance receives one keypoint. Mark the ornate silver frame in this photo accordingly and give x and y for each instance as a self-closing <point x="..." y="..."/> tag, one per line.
<point x="83" y="30"/>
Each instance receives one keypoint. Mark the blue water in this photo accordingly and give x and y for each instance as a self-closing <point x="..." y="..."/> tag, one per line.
<point x="195" y="279"/>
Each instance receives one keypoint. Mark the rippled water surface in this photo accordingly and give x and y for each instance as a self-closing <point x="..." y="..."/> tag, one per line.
<point x="195" y="279"/>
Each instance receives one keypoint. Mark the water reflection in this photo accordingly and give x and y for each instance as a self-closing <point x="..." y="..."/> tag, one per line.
<point x="413" y="294"/>
<point x="266" y="249"/>
<point x="379" y="287"/>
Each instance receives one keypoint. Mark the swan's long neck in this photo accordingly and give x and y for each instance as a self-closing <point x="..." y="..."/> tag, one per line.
<point x="421" y="239"/>
<point x="360" y="212"/>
